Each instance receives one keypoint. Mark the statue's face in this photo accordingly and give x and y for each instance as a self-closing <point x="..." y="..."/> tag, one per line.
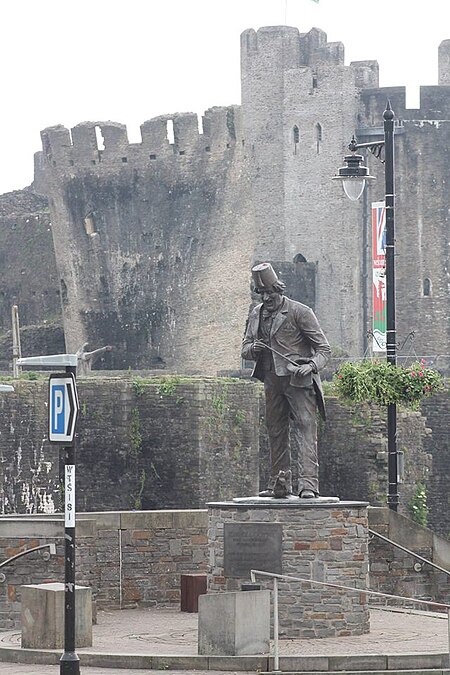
<point x="271" y="300"/>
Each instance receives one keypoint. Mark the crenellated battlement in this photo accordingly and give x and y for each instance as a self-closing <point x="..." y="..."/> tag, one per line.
<point x="444" y="62"/>
<point x="106" y="144"/>
<point x="367" y="74"/>
<point x="435" y="102"/>
<point x="285" y="48"/>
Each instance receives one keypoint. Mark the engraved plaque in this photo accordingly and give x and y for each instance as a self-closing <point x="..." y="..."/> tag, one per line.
<point x="250" y="546"/>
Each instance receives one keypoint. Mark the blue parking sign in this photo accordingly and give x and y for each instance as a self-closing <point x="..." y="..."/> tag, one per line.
<point x="57" y="405"/>
<point x="62" y="408"/>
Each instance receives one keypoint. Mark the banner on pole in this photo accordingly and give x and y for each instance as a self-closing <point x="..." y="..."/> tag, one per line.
<point x="379" y="276"/>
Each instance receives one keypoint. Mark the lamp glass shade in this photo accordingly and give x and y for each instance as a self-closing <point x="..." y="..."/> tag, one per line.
<point x="353" y="187"/>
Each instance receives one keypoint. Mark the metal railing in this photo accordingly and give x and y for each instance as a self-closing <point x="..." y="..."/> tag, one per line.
<point x="286" y="577"/>
<point x="407" y="550"/>
<point x="52" y="551"/>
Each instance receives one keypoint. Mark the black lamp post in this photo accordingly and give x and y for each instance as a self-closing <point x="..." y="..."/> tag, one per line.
<point x="354" y="176"/>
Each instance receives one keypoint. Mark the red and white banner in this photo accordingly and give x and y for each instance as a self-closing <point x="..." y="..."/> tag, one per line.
<point x="379" y="276"/>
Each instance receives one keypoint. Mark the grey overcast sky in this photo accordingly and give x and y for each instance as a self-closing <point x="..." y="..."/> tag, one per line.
<point x="64" y="62"/>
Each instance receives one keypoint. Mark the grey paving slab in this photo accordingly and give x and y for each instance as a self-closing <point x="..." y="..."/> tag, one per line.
<point x="167" y="639"/>
<point x="20" y="669"/>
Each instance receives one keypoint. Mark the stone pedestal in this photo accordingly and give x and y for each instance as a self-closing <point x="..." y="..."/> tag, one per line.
<point x="316" y="539"/>
<point x="234" y="624"/>
<point x="42" y="616"/>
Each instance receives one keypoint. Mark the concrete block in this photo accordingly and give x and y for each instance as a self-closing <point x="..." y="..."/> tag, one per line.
<point x="441" y="552"/>
<point x="190" y="518"/>
<point x="301" y="664"/>
<point x="146" y="520"/>
<point x="239" y="663"/>
<point x="42" y="616"/>
<point x="416" y="661"/>
<point x="103" y="520"/>
<point x="234" y="624"/>
<point x="407" y="533"/>
<point x="86" y="528"/>
<point x="31" y="528"/>
<point x="355" y="662"/>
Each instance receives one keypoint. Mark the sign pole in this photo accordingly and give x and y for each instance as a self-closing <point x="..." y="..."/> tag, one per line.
<point x="63" y="411"/>
<point x="69" y="662"/>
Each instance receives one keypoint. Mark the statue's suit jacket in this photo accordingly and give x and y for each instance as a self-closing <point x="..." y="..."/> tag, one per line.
<point x="296" y="334"/>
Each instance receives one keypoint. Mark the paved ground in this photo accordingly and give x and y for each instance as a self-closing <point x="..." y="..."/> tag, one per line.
<point x="17" y="669"/>
<point x="163" y="632"/>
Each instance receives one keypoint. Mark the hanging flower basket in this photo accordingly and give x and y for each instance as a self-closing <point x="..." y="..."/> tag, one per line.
<point x="383" y="383"/>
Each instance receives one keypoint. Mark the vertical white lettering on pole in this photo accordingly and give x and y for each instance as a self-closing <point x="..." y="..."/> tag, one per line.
<point x="69" y="491"/>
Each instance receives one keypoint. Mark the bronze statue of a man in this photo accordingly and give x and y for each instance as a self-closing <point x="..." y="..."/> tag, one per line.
<point x="284" y="338"/>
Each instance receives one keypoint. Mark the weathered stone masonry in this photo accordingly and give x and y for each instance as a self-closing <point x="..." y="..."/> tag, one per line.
<point x="135" y="558"/>
<point x="164" y="443"/>
<point x="178" y="443"/>
<point x="128" y="558"/>
<point x="324" y="543"/>
<point x="154" y="240"/>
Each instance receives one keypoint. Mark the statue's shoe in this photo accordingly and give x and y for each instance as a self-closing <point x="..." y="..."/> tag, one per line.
<point x="266" y="493"/>
<point x="308" y="494"/>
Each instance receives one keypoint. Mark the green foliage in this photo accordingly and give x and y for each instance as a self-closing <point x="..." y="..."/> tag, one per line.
<point x="417" y="507"/>
<point x="31" y="375"/>
<point x="137" y="500"/>
<point x="383" y="383"/>
<point x="139" y="385"/>
<point x="219" y="403"/>
<point x="329" y="388"/>
<point x="239" y="417"/>
<point x="135" y="431"/>
<point x="168" y="385"/>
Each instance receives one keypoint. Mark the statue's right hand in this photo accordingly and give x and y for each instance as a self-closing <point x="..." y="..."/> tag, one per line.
<point x="258" y="346"/>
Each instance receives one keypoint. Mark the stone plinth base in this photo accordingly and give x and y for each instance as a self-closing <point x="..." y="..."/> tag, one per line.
<point x="324" y="541"/>
<point x="234" y="624"/>
<point x="42" y="616"/>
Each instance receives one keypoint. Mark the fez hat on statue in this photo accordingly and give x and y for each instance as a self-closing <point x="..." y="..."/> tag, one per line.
<point x="264" y="276"/>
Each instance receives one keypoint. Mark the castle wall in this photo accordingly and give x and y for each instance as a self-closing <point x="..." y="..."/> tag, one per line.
<point x="438" y="445"/>
<point x="161" y="443"/>
<point x="180" y="442"/>
<point x="297" y="126"/>
<point x="147" y="234"/>
<point x="28" y="276"/>
<point x="422" y="170"/>
<point x="444" y="63"/>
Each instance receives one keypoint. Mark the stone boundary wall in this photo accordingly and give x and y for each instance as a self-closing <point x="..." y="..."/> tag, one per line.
<point x="174" y="442"/>
<point x="128" y="559"/>
<point x="135" y="558"/>
<point x="168" y="442"/>
<point x="394" y="571"/>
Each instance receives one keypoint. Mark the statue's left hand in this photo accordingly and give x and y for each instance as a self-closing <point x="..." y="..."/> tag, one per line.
<point x="304" y="369"/>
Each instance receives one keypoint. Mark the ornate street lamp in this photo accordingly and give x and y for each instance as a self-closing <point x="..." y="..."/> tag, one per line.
<point x="354" y="176"/>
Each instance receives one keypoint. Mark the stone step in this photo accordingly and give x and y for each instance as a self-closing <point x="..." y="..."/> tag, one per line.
<point x="418" y="671"/>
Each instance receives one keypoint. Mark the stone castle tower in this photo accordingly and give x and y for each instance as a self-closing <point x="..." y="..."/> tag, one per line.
<point x="154" y="241"/>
